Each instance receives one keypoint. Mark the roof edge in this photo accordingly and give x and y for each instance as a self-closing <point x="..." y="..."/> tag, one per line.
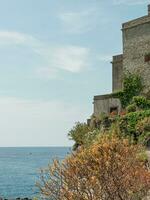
<point x="139" y="21"/>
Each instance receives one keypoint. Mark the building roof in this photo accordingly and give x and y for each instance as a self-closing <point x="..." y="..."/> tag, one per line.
<point x="103" y="97"/>
<point x="138" y="21"/>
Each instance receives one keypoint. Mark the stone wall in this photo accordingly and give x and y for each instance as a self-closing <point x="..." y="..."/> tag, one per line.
<point x="136" y="45"/>
<point x="103" y="104"/>
<point x="117" y="72"/>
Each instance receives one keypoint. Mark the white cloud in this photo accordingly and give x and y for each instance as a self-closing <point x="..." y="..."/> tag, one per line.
<point x="25" y="122"/>
<point x="56" y="58"/>
<point x="12" y="37"/>
<point x="130" y="2"/>
<point x="69" y="58"/>
<point x="78" y="22"/>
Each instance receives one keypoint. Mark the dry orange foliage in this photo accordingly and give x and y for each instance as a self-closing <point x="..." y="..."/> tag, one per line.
<point x="111" y="169"/>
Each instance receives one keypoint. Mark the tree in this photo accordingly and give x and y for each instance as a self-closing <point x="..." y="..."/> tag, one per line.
<point x="78" y="133"/>
<point x="110" y="169"/>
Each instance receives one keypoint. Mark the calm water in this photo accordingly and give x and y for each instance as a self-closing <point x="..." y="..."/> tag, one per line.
<point x="19" y="168"/>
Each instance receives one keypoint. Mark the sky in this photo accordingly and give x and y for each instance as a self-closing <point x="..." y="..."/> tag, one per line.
<point x="54" y="57"/>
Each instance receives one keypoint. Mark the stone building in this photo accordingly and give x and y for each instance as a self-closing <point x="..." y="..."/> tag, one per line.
<point x="135" y="58"/>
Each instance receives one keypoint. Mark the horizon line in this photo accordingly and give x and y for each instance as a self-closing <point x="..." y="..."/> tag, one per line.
<point x="35" y="146"/>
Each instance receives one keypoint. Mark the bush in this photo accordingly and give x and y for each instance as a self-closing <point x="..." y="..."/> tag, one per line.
<point x="144" y="138"/>
<point x="132" y="86"/>
<point x="143" y="130"/>
<point x="128" y="123"/>
<point x="78" y="134"/>
<point x="110" y="169"/>
<point x="141" y="102"/>
<point x="91" y="137"/>
<point x="131" y="108"/>
<point x="143" y="125"/>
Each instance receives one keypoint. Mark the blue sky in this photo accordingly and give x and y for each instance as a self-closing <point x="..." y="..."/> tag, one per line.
<point x="54" y="57"/>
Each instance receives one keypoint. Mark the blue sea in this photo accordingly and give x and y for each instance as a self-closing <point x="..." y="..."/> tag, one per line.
<point x="19" y="168"/>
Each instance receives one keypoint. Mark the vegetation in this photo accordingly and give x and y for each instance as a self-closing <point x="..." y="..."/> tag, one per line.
<point x="132" y="84"/>
<point x="128" y="123"/>
<point x="79" y="133"/>
<point x="109" y="161"/>
<point x="110" y="168"/>
<point x="136" y="111"/>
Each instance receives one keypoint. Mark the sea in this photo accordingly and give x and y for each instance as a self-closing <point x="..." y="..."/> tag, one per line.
<point x="20" y="168"/>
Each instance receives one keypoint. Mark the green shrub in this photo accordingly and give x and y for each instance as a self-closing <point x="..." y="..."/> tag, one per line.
<point x="78" y="133"/>
<point x="132" y="86"/>
<point x="143" y="125"/>
<point x="131" y="108"/>
<point x="143" y="130"/>
<point x="141" y="102"/>
<point x="129" y="122"/>
<point x="144" y="138"/>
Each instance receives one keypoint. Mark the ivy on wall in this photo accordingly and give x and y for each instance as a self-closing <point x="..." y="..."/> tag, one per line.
<point x="132" y="86"/>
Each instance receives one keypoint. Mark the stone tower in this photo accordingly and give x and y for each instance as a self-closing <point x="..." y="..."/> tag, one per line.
<point x="135" y="59"/>
<point x="136" y="47"/>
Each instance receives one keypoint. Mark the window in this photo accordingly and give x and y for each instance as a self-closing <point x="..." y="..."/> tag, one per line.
<point x="147" y="57"/>
<point x="114" y="109"/>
